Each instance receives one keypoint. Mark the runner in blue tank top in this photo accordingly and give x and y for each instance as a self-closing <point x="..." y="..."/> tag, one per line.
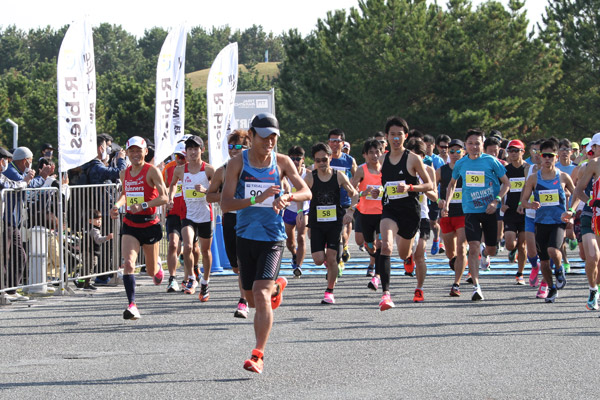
<point x="253" y="187"/>
<point x="548" y="188"/>
<point x="346" y="164"/>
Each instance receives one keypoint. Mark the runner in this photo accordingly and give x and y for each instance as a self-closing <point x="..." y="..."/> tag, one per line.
<point x="173" y="220"/>
<point x="481" y="197"/>
<point x="417" y="147"/>
<point x="295" y="216"/>
<point x="436" y="162"/>
<point x="143" y="191"/>
<point x="587" y="191"/>
<point x="565" y="165"/>
<point x="491" y="146"/>
<point x="237" y="142"/>
<point x="548" y="188"/>
<point x="253" y="186"/>
<point x="452" y="222"/>
<point x="347" y="165"/>
<point x="514" y="218"/>
<point x="326" y="215"/>
<point x="368" y="209"/>
<point x="197" y="224"/>
<point x="401" y="214"/>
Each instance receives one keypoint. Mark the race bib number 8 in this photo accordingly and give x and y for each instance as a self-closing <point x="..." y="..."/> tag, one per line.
<point x="475" y="179"/>
<point x="517" y="184"/>
<point x="134" y="198"/>
<point x="456" y="196"/>
<point x="549" y="198"/>
<point x="326" y="213"/>
<point x="256" y="189"/>
<point x="391" y="189"/>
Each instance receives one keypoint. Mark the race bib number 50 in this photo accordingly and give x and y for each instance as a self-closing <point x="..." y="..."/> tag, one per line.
<point x="475" y="179"/>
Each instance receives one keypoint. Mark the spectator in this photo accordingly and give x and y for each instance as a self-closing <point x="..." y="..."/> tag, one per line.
<point x="92" y="251"/>
<point x="47" y="151"/>
<point x="16" y="174"/>
<point x="95" y="169"/>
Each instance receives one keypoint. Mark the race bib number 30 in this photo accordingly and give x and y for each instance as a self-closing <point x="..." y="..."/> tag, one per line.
<point x="391" y="189"/>
<point x="549" y="198"/>
<point x="326" y="213"/>
<point x="256" y="189"/>
<point x="517" y="184"/>
<point x="475" y="179"/>
<point x="456" y="196"/>
<point x="134" y="198"/>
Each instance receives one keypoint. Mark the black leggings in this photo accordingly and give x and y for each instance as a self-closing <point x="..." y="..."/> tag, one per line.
<point x="229" y="236"/>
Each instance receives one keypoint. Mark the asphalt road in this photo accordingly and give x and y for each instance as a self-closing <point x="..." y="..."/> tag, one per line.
<point x="509" y="346"/>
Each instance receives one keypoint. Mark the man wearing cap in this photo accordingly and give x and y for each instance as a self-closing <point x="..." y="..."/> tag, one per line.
<point x="590" y="223"/>
<point x="253" y="187"/>
<point x="196" y="224"/>
<point x="175" y="213"/>
<point x="452" y="223"/>
<point x="97" y="172"/>
<point x="574" y="151"/>
<point x="143" y="191"/>
<point x="514" y="218"/>
<point x="584" y="150"/>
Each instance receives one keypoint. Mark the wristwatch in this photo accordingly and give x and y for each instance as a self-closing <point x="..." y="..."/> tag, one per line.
<point x="144" y="205"/>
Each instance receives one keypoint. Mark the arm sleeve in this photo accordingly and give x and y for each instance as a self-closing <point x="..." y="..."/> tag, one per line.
<point x="499" y="168"/>
<point x="97" y="237"/>
<point x="7" y="183"/>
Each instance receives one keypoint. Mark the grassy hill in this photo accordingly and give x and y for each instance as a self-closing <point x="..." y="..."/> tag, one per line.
<point x="267" y="70"/>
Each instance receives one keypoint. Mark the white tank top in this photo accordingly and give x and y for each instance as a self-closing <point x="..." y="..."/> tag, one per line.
<point x="293" y="205"/>
<point x="198" y="210"/>
<point x="423" y="202"/>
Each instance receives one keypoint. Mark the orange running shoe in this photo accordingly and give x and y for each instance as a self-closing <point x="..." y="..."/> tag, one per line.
<point x="418" y="296"/>
<point x="255" y="363"/>
<point x="276" y="299"/>
<point x="409" y="265"/>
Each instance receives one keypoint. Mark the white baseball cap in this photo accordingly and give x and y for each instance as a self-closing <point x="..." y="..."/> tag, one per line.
<point x="136" y="141"/>
<point x="180" y="148"/>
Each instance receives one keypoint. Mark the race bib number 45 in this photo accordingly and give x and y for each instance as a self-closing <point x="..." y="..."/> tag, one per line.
<point x="134" y="198"/>
<point x="475" y="179"/>
<point x="256" y="189"/>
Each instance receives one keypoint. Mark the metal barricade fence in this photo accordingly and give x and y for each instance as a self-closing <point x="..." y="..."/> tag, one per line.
<point x="29" y="246"/>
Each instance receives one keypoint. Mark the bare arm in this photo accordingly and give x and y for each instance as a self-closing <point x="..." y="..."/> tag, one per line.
<point x="432" y="194"/>
<point x="114" y="211"/>
<point x="213" y="195"/>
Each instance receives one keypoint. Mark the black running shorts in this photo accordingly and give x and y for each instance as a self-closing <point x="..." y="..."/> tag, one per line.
<point x="149" y="235"/>
<point x="258" y="260"/>
<point x="476" y="224"/>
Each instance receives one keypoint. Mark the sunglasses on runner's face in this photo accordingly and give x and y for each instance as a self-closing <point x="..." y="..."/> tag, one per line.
<point x="548" y="155"/>
<point x="564" y="149"/>
<point x="455" y="151"/>
<point x="514" y="150"/>
<point x="296" y="158"/>
<point x="180" y="156"/>
<point x="320" y="160"/>
<point x="381" y="141"/>
<point x="237" y="146"/>
<point x="335" y="140"/>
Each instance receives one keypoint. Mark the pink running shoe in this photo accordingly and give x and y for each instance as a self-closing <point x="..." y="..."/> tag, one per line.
<point x="542" y="291"/>
<point x="328" y="299"/>
<point x="374" y="284"/>
<point x="158" y="277"/>
<point x="534" y="276"/>
<point x="386" y="303"/>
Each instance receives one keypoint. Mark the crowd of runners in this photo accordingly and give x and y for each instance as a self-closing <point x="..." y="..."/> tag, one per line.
<point x="471" y="198"/>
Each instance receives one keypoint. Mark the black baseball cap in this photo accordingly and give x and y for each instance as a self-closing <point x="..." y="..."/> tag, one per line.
<point x="47" y="146"/>
<point x="265" y="124"/>
<point x="194" y="141"/>
<point x="456" y="142"/>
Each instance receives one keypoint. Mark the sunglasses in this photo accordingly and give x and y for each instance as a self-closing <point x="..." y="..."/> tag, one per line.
<point x="548" y="155"/>
<point x="455" y="151"/>
<point x="335" y="140"/>
<point x="237" y="146"/>
<point x="296" y="158"/>
<point x="320" y="160"/>
<point x="534" y="151"/>
<point x="564" y="149"/>
<point x="381" y="141"/>
<point x="513" y="150"/>
<point x="180" y="156"/>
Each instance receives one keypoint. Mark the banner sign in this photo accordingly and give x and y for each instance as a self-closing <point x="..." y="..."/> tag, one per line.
<point x="76" y="87"/>
<point x="220" y="97"/>
<point x="169" y="117"/>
